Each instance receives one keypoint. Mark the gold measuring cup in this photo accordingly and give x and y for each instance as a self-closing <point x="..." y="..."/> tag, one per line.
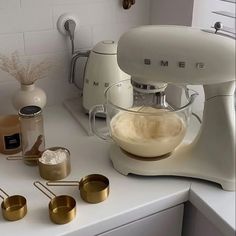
<point x="49" y="171"/>
<point x="13" y="207"/>
<point x="62" y="209"/>
<point x="93" y="188"/>
<point x="55" y="171"/>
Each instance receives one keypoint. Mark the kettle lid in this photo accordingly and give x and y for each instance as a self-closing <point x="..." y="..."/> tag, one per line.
<point x="106" y="47"/>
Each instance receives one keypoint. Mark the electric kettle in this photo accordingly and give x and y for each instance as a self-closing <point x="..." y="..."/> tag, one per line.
<point x="101" y="71"/>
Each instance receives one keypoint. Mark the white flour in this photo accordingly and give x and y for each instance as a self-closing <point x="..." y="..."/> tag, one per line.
<point x="53" y="157"/>
<point x="148" y="135"/>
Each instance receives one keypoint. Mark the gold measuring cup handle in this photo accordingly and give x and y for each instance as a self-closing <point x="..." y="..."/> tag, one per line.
<point x="28" y="158"/>
<point x="62" y="183"/>
<point x="3" y="193"/>
<point x="39" y="186"/>
<point x="62" y="209"/>
<point x="13" y="207"/>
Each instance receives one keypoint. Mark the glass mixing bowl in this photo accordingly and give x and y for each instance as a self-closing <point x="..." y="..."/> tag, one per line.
<point x="142" y="125"/>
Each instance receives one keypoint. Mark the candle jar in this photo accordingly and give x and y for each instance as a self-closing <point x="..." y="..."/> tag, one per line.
<point x="32" y="133"/>
<point x="10" y="142"/>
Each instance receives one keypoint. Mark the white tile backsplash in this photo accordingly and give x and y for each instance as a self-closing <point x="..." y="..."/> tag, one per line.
<point x="83" y="38"/>
<point x="66" y="2"/>
<point x="7" y="89"/>
<point x="36" y="3"/>
<point x="41" y="42"/>
<point x="22" y="19"/>
<point x="29" y="26"/>
<point x="11" y="42"/>
<point x="99" y="12"/>
<point x="113" y="31"/>
<point x="4" y="4"/>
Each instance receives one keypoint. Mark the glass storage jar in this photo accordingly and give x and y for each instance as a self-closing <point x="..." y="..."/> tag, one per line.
<point x="32" y="133"/>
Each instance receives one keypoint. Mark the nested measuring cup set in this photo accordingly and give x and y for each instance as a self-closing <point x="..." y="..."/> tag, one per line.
<point x="54" y="165"/>
<point x="93" y="188"/>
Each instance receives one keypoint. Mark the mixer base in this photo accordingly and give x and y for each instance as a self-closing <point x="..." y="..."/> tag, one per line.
<point x="156" y="158"/>
<point x="183" y="162"/>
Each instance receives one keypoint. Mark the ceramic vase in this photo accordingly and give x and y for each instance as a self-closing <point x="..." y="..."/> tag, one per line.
<point x="29" y="95"/>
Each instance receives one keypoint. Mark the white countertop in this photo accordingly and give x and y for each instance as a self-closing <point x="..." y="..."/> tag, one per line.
<point x="131" y="197"/>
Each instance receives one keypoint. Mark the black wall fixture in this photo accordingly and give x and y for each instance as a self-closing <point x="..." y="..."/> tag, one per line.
<point x="128" y="3"/>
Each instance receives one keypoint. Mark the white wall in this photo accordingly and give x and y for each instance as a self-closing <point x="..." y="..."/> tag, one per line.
<point x="169" y="12"/>
<point x="29" y="26"/>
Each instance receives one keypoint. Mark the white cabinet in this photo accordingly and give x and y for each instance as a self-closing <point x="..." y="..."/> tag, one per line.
<point x="164" y="223"/>
<point x="195" y="223"/>
<point x="207" y="12"/>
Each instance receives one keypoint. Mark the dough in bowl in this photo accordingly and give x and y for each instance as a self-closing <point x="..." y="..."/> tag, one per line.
<point x="154" y="133"/>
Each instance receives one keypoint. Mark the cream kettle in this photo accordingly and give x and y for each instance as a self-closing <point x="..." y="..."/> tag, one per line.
<point x="101" y="71"/>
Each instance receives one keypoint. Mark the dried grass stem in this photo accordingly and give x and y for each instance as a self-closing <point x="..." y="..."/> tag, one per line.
<point x="26" y="73"/>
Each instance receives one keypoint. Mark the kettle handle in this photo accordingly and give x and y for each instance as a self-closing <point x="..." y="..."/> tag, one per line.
<point x="92" y="122"/>
<point x="74" y="59"/>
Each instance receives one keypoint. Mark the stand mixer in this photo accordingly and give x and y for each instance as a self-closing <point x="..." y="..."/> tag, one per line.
<point x="155" y="55"/>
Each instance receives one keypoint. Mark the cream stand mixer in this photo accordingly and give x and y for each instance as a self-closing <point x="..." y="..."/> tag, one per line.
<point x="184" y="55"/>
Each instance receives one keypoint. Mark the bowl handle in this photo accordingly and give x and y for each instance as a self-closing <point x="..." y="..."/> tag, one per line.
<point x="92" y="122"/>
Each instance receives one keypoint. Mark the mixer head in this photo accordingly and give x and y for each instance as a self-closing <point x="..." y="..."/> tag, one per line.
<point x="176" y="54"/>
